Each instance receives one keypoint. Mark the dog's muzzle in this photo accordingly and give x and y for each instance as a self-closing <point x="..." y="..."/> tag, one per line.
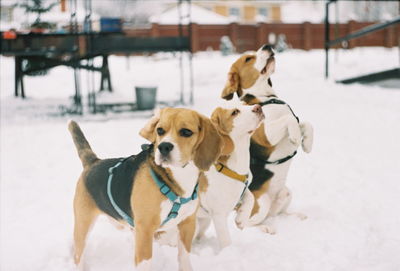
<point x="165" y="148"/>
<point x="269" y="48"/>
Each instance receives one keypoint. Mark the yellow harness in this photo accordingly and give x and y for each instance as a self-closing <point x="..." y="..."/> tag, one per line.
<point x="230" y="173"/>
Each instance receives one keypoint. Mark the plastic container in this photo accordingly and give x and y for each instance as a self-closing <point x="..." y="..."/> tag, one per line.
<point x="146" y="97"/>
<point x="110" y="24"/>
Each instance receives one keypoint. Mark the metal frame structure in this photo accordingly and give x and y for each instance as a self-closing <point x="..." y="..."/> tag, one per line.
<point x="393" y="73"/>
<point x="71" y="49"/>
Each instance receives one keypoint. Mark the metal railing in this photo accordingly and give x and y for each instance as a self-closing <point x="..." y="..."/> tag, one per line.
<point x="359" y="33"/>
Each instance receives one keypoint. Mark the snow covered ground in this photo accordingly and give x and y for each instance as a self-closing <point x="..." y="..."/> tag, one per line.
<point x="348" y="186"/>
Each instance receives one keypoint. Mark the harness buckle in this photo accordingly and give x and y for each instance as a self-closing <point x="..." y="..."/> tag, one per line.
<point x="194" y="195"/>
<point x="174" y="210"/>
<point x="165" y="189"/>
<point x="175" y="207"/>
<point x="172" y="214"/>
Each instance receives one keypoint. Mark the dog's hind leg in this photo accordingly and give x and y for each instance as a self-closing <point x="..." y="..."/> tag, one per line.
<point x="85" y="213"/>
<point x="186" y="233"/>
<point x="244" y="210"/>
<point x="260" y="210"/>
<point x="282" y="203"/>
<point x="221" y="227"/>
<point x="203" y="222"/>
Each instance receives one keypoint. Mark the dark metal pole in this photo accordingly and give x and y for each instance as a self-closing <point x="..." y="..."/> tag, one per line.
<point x="74" y="29"/>
<point x="327" y="39"/>
<point x="190" y="52"/>
<point x="181" y="98"/>
<point x="17" y="75"/>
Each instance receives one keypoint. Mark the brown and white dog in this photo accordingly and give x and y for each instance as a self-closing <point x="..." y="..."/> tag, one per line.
<point x="185" y="143"/>
<point x="275" y="142"/>
<point x="224" y="185"/>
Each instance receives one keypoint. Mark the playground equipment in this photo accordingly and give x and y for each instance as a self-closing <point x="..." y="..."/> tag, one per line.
<point x="77" y="49"/>
<point x="367" y="78"/>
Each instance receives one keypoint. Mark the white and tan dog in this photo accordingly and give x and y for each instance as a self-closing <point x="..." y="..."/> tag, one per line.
<point x="153" y="191"/>
<point x="275" y="142"/>
<point x="225" y="184"/>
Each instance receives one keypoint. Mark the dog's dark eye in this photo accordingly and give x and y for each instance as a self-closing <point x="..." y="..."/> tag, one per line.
<point x="248" y="58"/>
<point x="235" y="112"/>
<point x="185" y="132"/>
<point x="160" y="131"/>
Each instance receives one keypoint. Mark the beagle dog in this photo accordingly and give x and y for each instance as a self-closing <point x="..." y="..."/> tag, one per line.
<point x="275" y="142"/>
<point x="153" y="191"/>
<point x="225" y="184"/>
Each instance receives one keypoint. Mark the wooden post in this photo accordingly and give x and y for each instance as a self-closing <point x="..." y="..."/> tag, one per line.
<point x="350" y="28"/>
<point x="389" y="39"/>
<point x="233" y="35"/>
<point x="306" y="36"/>
<point x="261" y="34"/>
<point x="63" y="5"/>
<point x="195" y="38"/>
<point x="155" y="30"/>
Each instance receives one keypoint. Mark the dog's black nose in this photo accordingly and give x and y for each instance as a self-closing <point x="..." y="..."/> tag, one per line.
<point x="269" y="48"/>
<point x="165" y="148"/>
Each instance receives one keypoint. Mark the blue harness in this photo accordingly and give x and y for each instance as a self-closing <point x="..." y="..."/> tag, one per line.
<point x="164" y="189"/>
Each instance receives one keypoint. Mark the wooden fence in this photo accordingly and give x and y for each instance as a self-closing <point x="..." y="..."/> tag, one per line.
<point x="246" y="37"/>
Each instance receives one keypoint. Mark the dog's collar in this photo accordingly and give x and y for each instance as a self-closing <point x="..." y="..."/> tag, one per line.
<point x="255" y="160"/>
<point x="221" y="168"/>
<point x="230" y="173"/>
<point x="275" y="100"/>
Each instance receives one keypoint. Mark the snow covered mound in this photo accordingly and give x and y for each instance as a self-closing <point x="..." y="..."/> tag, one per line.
<point x="348" y="186"/>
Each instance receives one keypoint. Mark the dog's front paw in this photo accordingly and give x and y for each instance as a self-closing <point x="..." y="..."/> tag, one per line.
<point x="298" y="215"/>
<point x="165" y="238"/>
<point x="301" y="216"/>
<point x="267" y="229"/>
<point x="308" y="136"/>
<point x="239" y="224"/>
<point x="240" y="220"/>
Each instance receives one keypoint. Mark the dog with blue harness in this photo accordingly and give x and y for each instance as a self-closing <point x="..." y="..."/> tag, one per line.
<point x="153" y="191"/>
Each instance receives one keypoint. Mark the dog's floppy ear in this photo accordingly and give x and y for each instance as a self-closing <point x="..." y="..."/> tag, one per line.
<point x="216" y="119"/>
<point x="148" y="131"/>
<point x="232" y="85"/>
<point x="209" y="147"/>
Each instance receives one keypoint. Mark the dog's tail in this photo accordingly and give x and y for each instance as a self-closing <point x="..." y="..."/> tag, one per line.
<point x="85" y="153"/>
<point x="307" y="132"/>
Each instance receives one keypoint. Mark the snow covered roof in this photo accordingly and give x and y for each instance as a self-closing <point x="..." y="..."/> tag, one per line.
<point x="362" y="11"/>
<point x="20" y="18"/>
<point x="8" y="2"/>
<point x="198" y="15"/>
<point x="57" y="16"/>
<point x="302" y="11"/>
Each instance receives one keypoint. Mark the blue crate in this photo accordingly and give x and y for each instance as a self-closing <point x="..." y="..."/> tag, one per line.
<point x="110" y="24"/>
